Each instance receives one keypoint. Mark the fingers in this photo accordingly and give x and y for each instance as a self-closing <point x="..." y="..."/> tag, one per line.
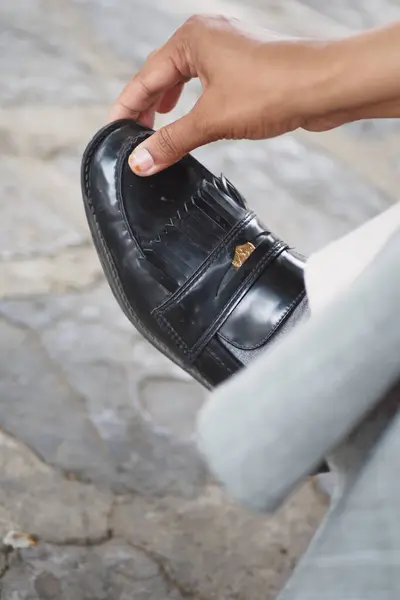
<point x="157" y="88"/>
<point x="159" y="81"/>
<point x="147" y="118"/>
<point x="145" y="89"/>
<point x="172" y="142"/>
<point x="170" y="99"/>
<point x="164" y="104"/>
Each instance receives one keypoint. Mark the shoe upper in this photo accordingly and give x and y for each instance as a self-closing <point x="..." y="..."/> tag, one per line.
<point x="197" y="268"/>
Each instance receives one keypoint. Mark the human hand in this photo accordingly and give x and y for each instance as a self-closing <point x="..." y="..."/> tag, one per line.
<point x="255" y="85"/>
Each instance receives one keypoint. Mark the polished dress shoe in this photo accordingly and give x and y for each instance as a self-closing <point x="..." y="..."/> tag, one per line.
<point x="194" y="270"/>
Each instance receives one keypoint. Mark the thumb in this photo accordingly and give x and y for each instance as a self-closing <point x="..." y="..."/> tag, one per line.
<point x="169" y="144"/>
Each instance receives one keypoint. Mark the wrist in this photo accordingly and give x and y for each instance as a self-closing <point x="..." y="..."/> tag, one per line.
<point x="361" y="71"/>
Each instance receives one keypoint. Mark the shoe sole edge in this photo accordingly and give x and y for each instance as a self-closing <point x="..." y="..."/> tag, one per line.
<point x="108" y="264"/>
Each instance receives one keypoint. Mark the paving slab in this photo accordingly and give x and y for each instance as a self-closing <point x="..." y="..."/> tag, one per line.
<point x="36" y="499"/>
<point x="203" y="542"/>
<point x="41" y="61"/>
<point x="88" y="403"/>
<point x="96" y="427"/>
<point x="110" y="571"/>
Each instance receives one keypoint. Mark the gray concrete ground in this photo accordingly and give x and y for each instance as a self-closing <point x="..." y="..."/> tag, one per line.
<point x="97" y="456"/>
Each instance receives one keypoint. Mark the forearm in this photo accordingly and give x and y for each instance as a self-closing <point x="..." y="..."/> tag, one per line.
<point x="256" y="86"/>
<point x="364" y="75"/>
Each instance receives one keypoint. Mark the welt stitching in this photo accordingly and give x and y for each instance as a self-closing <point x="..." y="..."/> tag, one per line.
<point x="219" y="360"/>
<point x="110" y="260"/>
<point x="214" y="257"/>
<point x="88" y="196"/>
<point x="176" y="337"/>
<point x="123" y="153"/>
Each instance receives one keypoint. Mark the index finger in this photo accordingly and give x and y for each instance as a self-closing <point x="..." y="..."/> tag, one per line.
<point x="159" y="74"/>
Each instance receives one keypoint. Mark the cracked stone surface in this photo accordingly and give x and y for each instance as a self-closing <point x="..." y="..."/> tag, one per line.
<point x="216" y="549"/>
<point x="33" y="497"/>
<point x="113" y="570"/>
<point x="97" y="456"/>
<point x="94" y="402"/>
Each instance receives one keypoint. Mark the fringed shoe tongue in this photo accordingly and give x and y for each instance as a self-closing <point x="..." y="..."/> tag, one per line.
<point x="226" y="189"/>
<point x="196" y="228"/>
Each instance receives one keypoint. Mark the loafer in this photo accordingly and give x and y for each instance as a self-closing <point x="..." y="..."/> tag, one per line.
<point x="193" y="268"/>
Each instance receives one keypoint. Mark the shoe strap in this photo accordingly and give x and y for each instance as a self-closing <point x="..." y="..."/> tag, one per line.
<point x="210" y="301"/>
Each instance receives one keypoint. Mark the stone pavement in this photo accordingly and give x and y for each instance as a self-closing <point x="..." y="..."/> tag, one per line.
<point x="97" y="457"/>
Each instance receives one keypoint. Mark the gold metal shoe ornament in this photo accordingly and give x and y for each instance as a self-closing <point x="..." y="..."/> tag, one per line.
<point x="242" y="253"/>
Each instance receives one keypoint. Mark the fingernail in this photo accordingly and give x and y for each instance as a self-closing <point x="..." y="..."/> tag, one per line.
<point x="141" y="161"/>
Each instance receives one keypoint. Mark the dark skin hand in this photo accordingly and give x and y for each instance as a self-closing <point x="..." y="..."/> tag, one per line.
<point x="257" y="85"/>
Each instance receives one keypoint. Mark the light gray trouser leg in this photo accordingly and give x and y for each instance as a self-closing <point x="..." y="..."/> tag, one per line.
<point x="356" y="553"/>
<point x="269" y="426"/>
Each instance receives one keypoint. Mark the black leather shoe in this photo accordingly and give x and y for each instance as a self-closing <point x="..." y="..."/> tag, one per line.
<point x="193" y="268"/>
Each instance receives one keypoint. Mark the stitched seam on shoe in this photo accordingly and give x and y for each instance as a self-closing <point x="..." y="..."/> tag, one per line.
<point x="115" y="275"/>
<point x="288" y="309"/>
<point x="122" y="157"/>
<point x="180" y="343"/>
<point x="124" y="152"/>
<point x="186" y="288"/>
<point x="176" y="337"/>
<point x="277" y="249"/>
<point x="111" y="262"/>
<point x="89" y="201"/>
<point x="106" y="250"/>
<point x="163" y="321"/>
<point x="178" y="296"/>
<point x="219" y="361"/>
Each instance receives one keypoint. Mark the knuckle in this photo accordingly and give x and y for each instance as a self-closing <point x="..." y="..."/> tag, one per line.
<point x="222" y="20"/>
<point x="196" y="20"/>
<point x="212" y="21"/>
<point x="143" y="86"/>
<point x="167" y="142"/>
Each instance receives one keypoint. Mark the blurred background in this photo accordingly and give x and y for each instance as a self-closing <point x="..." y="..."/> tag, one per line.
<point x="96" y="446"/>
